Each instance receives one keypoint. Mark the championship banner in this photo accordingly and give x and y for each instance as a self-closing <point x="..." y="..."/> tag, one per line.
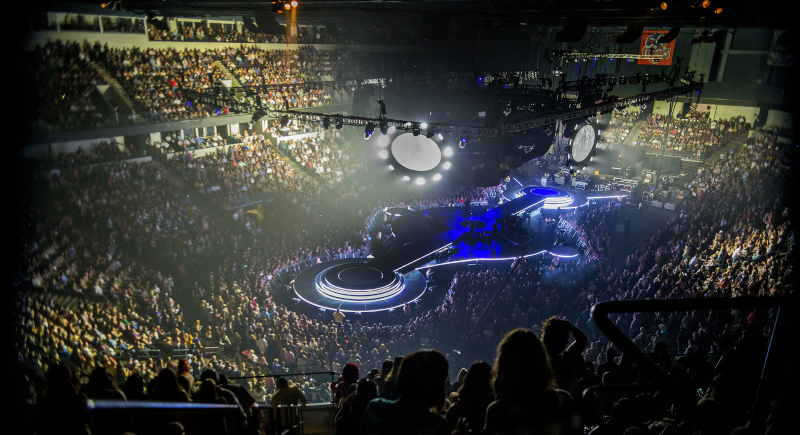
<point x="651" y="47"/>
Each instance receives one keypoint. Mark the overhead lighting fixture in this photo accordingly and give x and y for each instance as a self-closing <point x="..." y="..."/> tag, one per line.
<point x="664" y="6"/>
<point x="339" y="123"/>
<point x="706" y="4"/>
<point x="430" y="132"/>
<point x="294" y="3"/>
<point x="383" y="154"/>
<point x="446" y="165"/>
<point x="463" y="143"/>
<point x="437" y="177"/>
<point x="439" y="136"/>
<point x="419" y="181"/>
<point x="406" y="178"/>
<point x="718" y="11"/>
<point x="391" y="168"/>
<point x="415" y="129"/>
<point x="368" y="131"/>
<point x="447" y="152"/>
<point x="384" y="125"/>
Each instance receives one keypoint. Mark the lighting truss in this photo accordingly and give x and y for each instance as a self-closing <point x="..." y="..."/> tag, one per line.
<point x="539" y="121"/>
<point x="457" y="130"/>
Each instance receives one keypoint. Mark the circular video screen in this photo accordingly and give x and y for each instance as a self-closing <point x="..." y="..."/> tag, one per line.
<point x="417" y="153"/>
<point x="583" y="143"/>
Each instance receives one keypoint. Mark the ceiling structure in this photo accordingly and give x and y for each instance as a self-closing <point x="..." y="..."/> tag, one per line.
<point x="510" y="13"/>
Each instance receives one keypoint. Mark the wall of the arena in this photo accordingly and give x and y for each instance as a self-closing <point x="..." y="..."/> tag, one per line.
<point x="718" y="111"/>
<point x="780" y="119"/>
<point x="56" y="148"/>
<point x="662" y="108"/>
<point x="125" y="40"/>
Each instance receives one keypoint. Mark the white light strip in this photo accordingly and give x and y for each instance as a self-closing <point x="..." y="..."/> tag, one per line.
<point x="429" y="253"/>
<point x="481" y="259"/>
<point x="528" y="207"/>
<point x="605" y="197"/>
<point x="361" y="311"/>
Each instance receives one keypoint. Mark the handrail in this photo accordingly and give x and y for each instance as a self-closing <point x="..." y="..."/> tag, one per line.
<point x="683" y="399"/>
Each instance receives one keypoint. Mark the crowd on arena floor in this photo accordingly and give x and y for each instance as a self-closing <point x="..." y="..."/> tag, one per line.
<point x="120" y="233"/>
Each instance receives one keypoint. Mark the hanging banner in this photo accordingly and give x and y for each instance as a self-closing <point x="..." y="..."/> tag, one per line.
<point x="651" y="47"/>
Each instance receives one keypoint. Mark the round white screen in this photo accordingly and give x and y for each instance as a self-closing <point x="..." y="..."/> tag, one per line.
<point x="417" y="153"/>
<point x="583" y="143"/>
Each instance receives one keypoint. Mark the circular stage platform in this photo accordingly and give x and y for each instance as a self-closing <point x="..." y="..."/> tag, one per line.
<point x="357" y="285"/>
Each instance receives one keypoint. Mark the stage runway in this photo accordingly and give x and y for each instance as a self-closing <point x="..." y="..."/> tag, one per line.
<point x="525" y="224"/>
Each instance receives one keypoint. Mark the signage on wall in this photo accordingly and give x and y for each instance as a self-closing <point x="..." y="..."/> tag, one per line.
<point x="651" y="46"/>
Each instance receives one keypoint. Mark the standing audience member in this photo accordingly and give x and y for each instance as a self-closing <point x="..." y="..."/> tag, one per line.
<point x="472" y="398"/>
<point x="421" y="384"/>
<point x="526" y="398"/>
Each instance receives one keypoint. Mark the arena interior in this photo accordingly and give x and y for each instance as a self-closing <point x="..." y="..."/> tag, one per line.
<point x="406" y="217"/>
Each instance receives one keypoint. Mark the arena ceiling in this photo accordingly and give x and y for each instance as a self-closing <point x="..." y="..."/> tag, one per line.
<point x="735" y="13"/>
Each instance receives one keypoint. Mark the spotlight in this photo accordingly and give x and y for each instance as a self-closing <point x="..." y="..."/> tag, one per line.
<point x="391" y="168"/>
<point x="391" y="129"/>
<point x="294" y="4"/>
<point x="326" y="123"/>
<point x="406" y="178"/>
<point x="437" y="177"/>
<point x="463" y="143"/>
<point x="439" y="136"/>
<point x="419" y="181"/>
<point x="718" y="11"/>
<point x="415" y="129"/>
<point x="706" y="4"/>
<point x="446" y="165"/>
<point x="287" y="6"/>
<point x="383" y="154"/>
<point x="664" y="6"/>
<point x="383" y="107"/>
<point x="447" y="152"/>
<point x="384" y="127"/>
<point x="423" y="126"/>
<point x="383" y="141"/>
<point x="368" y="131"/>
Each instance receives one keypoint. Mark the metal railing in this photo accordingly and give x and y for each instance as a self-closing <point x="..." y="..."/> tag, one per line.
<point x="286" y="375"/>
<point x="684" y="399"/>
<point x="116" y="416"/>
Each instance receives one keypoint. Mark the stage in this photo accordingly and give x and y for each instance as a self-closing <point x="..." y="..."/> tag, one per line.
<point x="524" y="224"/>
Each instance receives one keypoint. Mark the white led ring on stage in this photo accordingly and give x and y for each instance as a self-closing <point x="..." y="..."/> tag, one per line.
<point x="557" y="202"/>
<point x="325" y="287"/>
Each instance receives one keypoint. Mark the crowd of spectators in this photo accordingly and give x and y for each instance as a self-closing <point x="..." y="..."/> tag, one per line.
<point x="64" y="85"/>
<point x="695" y="134"/>
<point x="620" y="126"/>
<point x="121" y="232"/>
<point x="198" y="33"/>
